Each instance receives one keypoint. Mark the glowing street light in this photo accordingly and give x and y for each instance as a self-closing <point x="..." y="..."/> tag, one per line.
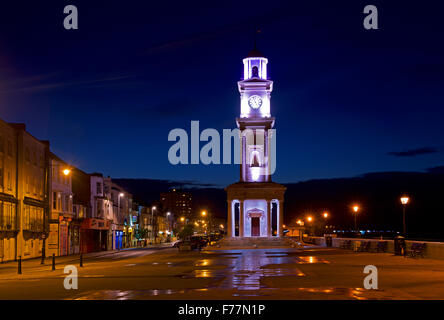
<point x="299" y="222"/>
<point x="182" y="219"/>
<point x="66" y="172"/>
<point x="355" y="210"/>
<point x="404" y="200"/>
<point x="309" y="218"/>
<point x="204" y="213"/>
<point x="325" y="214"/>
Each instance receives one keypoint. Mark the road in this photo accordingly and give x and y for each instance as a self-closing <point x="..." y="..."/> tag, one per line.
<point x="164" y="273"/>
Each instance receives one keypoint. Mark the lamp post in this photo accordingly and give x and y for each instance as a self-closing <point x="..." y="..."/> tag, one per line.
<point x="309" y="220"/>
<point x="66" y="172"/>
<point x="404" y="200"/>
<point x="121" y="195"/>
<point x="355" y="210"/>
<point x="152" y="222"/>
<point x="204" y="214"/>
<point x="325" y="215"/>
<point x="168" y="214"/>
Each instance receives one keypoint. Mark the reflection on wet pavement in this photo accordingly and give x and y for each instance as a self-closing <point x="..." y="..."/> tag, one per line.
<point x="244" y="274"/>
<point x="312" y="259"/>
<point x="241" y="273"/>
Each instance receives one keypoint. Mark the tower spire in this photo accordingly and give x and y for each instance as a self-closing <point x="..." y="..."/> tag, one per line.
<point x="255" y="38"/>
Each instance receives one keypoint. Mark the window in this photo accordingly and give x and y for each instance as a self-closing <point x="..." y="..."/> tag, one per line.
<point x="7" y="216"/>
<point x="99" y="188"/>
<point x="33" y="218"/>
<point x="27" y="154"/>
<point x="255" y="72"/>
<point x="26" y="218"/>
<point x="54" y="200"/>
<point x="59" y="201"/>
<point x="1" y="144"/>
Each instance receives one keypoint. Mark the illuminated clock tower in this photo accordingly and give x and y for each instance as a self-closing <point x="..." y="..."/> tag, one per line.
<point x="255" y="203"/>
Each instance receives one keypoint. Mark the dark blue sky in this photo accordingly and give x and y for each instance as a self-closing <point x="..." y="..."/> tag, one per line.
<point x="346" y="100"/>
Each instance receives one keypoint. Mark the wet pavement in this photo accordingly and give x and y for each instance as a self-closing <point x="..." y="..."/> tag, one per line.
<point x="308" y="273"/>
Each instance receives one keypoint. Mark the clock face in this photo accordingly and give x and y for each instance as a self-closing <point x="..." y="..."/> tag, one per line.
<point x="255" y="102"/>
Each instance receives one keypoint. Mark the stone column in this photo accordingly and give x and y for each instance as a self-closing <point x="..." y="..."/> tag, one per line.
<point x="281" y="218"/>
<point x="230" y="231"/>
<point x="268" y="213"/>
<point x="244" y="159"/>
<point x="241" y="218"/>
<point x="266" y="169"/>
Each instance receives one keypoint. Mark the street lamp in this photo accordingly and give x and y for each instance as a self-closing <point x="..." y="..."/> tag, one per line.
<point x="152" y="221"/>
<point x="325" y="214"/>
<point x="404" y="200"/>
<point x="169" y="222"/>
<point x="310" y="220"/>
<point x="204" y="213"/>
<point x="66" y="172"/>
<point x="121" y="195"/>
<point x="355" y="210"/>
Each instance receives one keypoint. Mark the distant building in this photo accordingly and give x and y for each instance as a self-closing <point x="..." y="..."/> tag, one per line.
<point x="123" y="223"/>
<point x="178" y="203"/>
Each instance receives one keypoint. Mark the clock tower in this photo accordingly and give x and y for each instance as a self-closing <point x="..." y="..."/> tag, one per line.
<point x="255" y="203"/>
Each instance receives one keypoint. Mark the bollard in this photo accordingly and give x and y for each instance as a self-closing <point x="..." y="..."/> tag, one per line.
<point x="53" y="261"/>
<point x="19" y="271"/>
<point x="81" y="259"/>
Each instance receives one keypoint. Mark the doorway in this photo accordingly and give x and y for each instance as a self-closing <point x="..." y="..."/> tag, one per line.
<point x="255" y="227"/>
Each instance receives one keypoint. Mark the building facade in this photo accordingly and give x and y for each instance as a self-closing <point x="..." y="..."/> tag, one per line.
<point x="32" y="188"/>
<point x="9" y="226"/>
<point x="255" y="203"/>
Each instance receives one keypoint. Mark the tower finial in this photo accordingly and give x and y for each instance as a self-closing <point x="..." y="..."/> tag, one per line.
<point x="255" y="38"/>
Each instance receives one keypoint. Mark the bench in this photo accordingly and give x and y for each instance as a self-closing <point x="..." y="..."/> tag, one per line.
<point x="382" y="246"/>
<point x="417" y="249"/>
<point x="365" y="246"/>
<point x="346" y="244"/>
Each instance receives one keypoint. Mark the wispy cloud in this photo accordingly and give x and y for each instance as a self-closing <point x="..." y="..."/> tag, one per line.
<point x="413" y="152"/>
<point x="37" y="83"/>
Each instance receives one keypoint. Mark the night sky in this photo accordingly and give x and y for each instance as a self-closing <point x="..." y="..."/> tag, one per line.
<point x="346" y="100"/>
